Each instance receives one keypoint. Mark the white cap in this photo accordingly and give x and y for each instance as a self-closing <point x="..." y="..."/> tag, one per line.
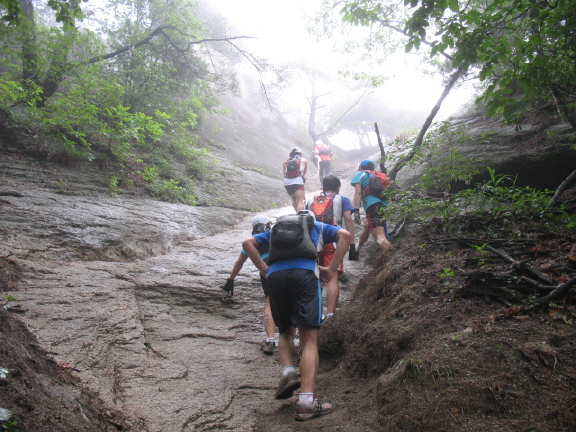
<point x="318" y="142"/>
<point x="263" y="219"/>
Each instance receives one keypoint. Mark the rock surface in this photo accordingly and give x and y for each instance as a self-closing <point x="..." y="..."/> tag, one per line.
<point x="127" y="291"/>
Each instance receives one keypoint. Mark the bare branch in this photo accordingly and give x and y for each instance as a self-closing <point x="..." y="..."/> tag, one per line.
<point x="160" y="31"/>
<point x="556" y="294"/>
<point x="561" y="189"/>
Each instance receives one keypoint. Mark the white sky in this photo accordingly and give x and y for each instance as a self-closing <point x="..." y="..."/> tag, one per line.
<point x="281" y="35"/>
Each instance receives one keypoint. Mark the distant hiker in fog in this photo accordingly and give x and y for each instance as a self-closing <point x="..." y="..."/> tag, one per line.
<point x="296" y="297"/>
<point x="368" y="186"/>
<point x="294" y="177"/>
<point x="324" y="156"/>
<point x="260" y="224"/>
<point x="332" y="208"/>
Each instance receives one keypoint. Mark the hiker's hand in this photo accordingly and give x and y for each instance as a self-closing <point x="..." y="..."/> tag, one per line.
<point x="326" y="274"/>
<point x="357" y="216"/>
<point x="229" y="286"/>
<point x="352" y="255"/>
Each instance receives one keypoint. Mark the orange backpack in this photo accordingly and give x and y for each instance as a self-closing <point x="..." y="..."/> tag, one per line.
<point x="323" y="208"/>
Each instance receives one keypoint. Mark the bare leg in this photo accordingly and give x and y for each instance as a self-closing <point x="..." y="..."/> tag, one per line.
<point x="332" y="294"/>
<point x="286" y="347"/>
<point x="298" y="200"/>
<point x="380" y="236"/>
<point x="269" y="326"/>
<point x="310" y="358"/>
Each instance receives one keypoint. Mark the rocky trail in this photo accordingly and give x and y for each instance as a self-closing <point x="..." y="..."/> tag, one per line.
<point x="124" y="293"/>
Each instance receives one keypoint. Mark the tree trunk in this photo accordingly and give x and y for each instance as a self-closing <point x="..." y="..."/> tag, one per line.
<point x="29" y="46"/>
<point x="566" y="113"/>
<point x="420" y="139"/>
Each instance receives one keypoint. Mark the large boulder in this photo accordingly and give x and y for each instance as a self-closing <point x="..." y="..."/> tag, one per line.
<point x="539" y="153"/>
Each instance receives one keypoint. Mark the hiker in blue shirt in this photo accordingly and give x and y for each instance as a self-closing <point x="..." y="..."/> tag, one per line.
<point x="374" y="223"/>
<point x="293" y="277"/>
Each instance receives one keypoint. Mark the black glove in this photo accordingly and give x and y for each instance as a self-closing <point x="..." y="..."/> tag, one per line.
<point x="229" y="286"/>
<point x="357" y="216"/>
<point x="352" y="255"/>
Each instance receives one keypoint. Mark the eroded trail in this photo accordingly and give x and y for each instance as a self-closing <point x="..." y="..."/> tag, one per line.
<point x="156" y="338"/>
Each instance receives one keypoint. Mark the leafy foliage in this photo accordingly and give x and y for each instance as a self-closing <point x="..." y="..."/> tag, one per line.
<point x="126" y="92"/>
<point x="517" y="48"/>
<point x="495" y="202"/>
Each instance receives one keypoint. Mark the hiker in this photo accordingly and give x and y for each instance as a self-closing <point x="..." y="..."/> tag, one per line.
<point x="294" y="177"/>
<point x="296" y="298"/>
<point x="260" y="224"/>
<point x="332" y="208"/>
<point x="374" y="224"/>
<point x="324" y="155"/>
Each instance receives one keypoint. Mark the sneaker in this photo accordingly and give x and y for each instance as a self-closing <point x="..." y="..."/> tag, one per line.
<point x="267" y="347"/>
<point x="316" y="409"/>
<point x="287" y="385"/>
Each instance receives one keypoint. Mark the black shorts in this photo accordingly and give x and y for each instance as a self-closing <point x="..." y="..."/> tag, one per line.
<point x="374" y="218"/>
<point x="295" y="298"/>
<point x="264" y="285"/>
<point x="291" y="189"/>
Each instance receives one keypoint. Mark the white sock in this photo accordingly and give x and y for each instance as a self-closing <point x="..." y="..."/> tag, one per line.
<point x="306" y="398"/>
<point x="270" y="339"/>
<point x="358" y="247"/>
<point x="287" y="369"/>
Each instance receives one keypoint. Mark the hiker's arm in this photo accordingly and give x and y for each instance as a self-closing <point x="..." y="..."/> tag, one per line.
<point x="357" y="195"/>
<point x="284" y="169"/>
<point x="251" y="248"/>
<point x="238" y="266"/>
<point x="305" y="165"/>
<point x="349" y="223"/>
<point x="343" y="239"/>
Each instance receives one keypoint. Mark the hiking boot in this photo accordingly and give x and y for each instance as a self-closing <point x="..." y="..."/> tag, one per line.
<point x="287" y="385"/>
<point x="316" y="409"/>
<point x="267" y="347"/>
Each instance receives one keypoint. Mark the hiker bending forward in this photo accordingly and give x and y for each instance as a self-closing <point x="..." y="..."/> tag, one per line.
<point x="296" y="298"/>
<point x="374" y="223"/>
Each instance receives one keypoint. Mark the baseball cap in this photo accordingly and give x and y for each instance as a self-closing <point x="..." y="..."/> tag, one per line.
<point x="367" y="163"/>
<point x="263" y="219"/>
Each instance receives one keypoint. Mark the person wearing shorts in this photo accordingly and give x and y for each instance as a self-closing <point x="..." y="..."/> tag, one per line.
<point x="343" y="211"/>
<point x="373" y="224"/>
<point x="295" y="185"/>
<point x="296" y="303"/>
<point x="260" y="223"/>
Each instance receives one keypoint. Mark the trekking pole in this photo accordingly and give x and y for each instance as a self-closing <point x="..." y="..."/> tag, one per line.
<point x="382" y="152"/>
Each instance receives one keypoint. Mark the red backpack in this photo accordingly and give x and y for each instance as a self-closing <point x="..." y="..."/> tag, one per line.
<point x="377" y="182"/>
<point x="293" y="167"/>
<point x="323" y="208"/>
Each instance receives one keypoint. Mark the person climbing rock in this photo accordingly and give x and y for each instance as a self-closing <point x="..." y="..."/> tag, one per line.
<point x="294" y="177"/>
<point x="260" y="224"/>
<point x="372" y="203"/>
<point x="296" y="299"/>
